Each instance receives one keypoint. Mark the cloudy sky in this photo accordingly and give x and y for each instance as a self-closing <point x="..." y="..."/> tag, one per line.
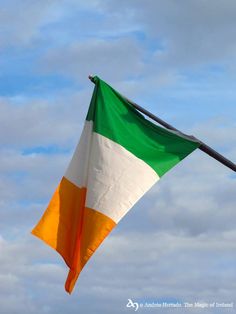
<point x="178" y="60"/>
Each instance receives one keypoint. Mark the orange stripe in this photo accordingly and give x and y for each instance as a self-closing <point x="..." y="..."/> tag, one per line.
<point x="96" y="227"/>
<point x="73" y="230"/>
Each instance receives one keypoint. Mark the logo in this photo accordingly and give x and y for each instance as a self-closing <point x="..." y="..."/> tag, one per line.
<point x="132" y="304"/>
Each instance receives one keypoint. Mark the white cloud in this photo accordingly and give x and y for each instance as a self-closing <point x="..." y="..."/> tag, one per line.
<point x="185" y="268"/>
<point x="112" y="59"/>
<point x="42" y="122"/>
<point x="193" y="32"/>
<point x="196" y="198"/>
<point x="20" y="21"/>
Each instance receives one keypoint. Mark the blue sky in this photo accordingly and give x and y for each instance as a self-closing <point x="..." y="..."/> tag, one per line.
<point x="178" y="60"/>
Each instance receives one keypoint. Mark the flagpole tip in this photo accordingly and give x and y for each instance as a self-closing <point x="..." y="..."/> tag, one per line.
<point x="91" y="77"/>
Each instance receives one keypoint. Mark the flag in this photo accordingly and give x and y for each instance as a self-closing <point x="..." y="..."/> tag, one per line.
<point x="119" y="157"/>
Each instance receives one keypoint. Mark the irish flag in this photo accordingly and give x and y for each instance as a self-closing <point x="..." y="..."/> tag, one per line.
<point x="119" y="157"/>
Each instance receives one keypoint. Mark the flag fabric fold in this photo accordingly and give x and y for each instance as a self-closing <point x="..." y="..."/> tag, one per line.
<point x="120" y="155"/>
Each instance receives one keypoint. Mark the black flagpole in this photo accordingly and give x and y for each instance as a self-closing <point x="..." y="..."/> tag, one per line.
<point x="205" y="148"/>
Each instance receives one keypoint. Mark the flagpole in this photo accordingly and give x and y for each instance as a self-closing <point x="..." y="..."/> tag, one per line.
<point x="203" y="147"/>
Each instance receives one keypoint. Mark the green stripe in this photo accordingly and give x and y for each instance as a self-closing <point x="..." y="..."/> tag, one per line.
<point x="119" y="121"/>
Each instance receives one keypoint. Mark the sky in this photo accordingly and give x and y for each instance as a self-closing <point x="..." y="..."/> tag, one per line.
<point x="178" y="60"/>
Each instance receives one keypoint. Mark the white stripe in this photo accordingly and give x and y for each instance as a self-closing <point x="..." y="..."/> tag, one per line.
<point x="115" y="179"/>
<point x="77" y="170"/>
